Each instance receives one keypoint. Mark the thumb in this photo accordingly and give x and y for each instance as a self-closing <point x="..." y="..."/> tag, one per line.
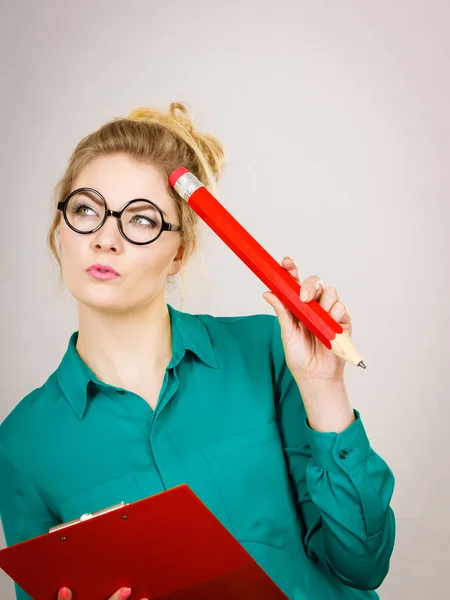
<point x="285" y="317"/>
<point x="121" y="594"/>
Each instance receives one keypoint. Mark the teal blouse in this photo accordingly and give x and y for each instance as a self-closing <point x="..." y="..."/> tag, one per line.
<point x="311" y="508"/>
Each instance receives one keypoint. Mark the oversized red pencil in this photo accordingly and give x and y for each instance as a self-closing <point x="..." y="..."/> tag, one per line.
<point x="273" y="275"/>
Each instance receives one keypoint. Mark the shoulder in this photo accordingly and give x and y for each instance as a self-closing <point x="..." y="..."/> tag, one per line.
<point x="255" y="331"/>
<point x="29" y="416"/>
<point x="256" y="328"/>
<point x="257" y="337"/>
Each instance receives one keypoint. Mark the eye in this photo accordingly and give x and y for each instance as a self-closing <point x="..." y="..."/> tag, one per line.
<point x="82" y="209"/>
<point x="144" y="221"/>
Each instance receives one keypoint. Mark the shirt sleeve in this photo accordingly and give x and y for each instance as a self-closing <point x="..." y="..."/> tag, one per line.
<point x="342" y="488"/>
<point x="23" y="513"/>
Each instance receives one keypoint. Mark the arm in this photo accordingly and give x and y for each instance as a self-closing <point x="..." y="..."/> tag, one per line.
<point x="22" y="511"/>
<point x="342" y="487"/>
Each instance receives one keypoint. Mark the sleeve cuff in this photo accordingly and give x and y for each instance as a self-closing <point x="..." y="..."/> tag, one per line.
<point x="339" y="451"/>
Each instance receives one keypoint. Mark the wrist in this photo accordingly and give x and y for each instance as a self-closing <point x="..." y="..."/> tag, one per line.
<point x="319" y="381"/>
<point x="327" y="404"/>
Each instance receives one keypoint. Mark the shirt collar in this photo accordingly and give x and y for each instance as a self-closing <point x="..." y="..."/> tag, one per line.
<point x="188" y="333"/>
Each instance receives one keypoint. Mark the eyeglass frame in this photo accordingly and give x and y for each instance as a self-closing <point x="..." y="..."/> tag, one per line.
<point x="165" y="226"/>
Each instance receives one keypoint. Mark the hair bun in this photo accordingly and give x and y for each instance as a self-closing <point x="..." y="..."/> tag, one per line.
<point x="179" y="121"/>
<point x="184" y="118"/>
<point x="153" y="114"/>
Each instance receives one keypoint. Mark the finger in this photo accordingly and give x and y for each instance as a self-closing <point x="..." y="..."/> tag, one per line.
<point x="328" y="298"/>
<point x="286" y="318"/>
<point x="64" y="594"/>
<point x="311" y="289"/>
<point x="339" y="313"/>
<point x="290" y="265"/>
<point x="121" y="594"/>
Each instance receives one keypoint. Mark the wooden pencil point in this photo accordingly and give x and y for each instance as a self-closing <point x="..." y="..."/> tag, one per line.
<point x="343" y="346"/>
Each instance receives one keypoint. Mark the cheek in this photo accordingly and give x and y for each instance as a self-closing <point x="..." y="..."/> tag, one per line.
<point x="151" y="262"/>
<point x="67" y="241"/>
<point x="71" y="248"/>
<point x="154" y="261"/>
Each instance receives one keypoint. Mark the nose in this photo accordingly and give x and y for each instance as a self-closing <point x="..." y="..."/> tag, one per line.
<point x="108" y="238"/>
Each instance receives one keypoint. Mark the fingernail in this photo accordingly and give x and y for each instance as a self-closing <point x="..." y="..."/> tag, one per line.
<point x="64" y="592"/>
<point x="125" y="593"/>
<point x="304" y="295"/>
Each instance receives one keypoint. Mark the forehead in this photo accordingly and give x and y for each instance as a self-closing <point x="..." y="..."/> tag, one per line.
<point x="120" y="178"/>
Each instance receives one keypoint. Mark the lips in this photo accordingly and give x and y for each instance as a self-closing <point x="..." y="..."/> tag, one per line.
<point x="103" y="269"/>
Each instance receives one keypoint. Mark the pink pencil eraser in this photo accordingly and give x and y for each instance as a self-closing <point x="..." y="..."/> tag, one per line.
<point x="176" y="175"/>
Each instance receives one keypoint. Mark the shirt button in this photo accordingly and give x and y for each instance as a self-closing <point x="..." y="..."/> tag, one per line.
<point x="121" y="392"/>
<point x="343" y="454"/>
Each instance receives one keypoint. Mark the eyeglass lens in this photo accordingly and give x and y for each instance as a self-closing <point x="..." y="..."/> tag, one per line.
<point x="141" y="221"/>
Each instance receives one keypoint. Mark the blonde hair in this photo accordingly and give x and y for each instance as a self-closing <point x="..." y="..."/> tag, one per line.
<point x="167" y="141"/>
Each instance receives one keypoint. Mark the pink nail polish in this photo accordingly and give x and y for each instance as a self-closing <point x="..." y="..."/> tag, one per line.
<point x="125" y="593"/>
<point x="64" y="592"/>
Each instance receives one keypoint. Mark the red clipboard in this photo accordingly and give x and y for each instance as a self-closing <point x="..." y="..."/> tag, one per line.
<point x="168" y="546"/>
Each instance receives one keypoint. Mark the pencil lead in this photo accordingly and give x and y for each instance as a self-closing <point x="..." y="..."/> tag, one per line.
<point x="361" y="364"/>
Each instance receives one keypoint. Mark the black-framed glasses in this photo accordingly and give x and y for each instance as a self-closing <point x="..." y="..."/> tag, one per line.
<point x="140" y="221"/>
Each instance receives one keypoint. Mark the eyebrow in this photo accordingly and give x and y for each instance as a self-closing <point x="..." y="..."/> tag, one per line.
<point x="133" y="208"/>
<point x="163" y="212"/>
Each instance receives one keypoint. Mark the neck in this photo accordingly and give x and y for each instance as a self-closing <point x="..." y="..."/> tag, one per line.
<point x="124" y="348"/>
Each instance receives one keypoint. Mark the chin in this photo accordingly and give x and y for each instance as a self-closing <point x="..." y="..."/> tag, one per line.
<point x="101" y="298"/>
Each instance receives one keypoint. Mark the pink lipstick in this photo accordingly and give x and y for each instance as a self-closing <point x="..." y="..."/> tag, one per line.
<point x="102" y="272"/>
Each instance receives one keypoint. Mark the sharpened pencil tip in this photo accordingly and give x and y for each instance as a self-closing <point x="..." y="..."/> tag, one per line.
<point x="361" y="364"/>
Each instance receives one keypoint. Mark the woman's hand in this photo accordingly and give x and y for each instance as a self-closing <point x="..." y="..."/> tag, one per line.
<point x="121" y="594"/>
<point x="307" y="358"/>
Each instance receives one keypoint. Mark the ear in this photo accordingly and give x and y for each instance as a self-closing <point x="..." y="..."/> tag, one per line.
<point x="60" y="223"/>
<point x="58" y="236"/>
<point x="176" y="261"/>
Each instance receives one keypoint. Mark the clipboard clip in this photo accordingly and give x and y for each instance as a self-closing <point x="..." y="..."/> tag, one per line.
<point x="86" y="516"/>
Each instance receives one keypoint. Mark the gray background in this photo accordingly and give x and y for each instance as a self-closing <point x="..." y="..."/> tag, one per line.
<point x="334" y="116"/>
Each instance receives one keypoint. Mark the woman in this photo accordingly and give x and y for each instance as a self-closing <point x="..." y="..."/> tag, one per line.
<point x="251" y="412"/>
